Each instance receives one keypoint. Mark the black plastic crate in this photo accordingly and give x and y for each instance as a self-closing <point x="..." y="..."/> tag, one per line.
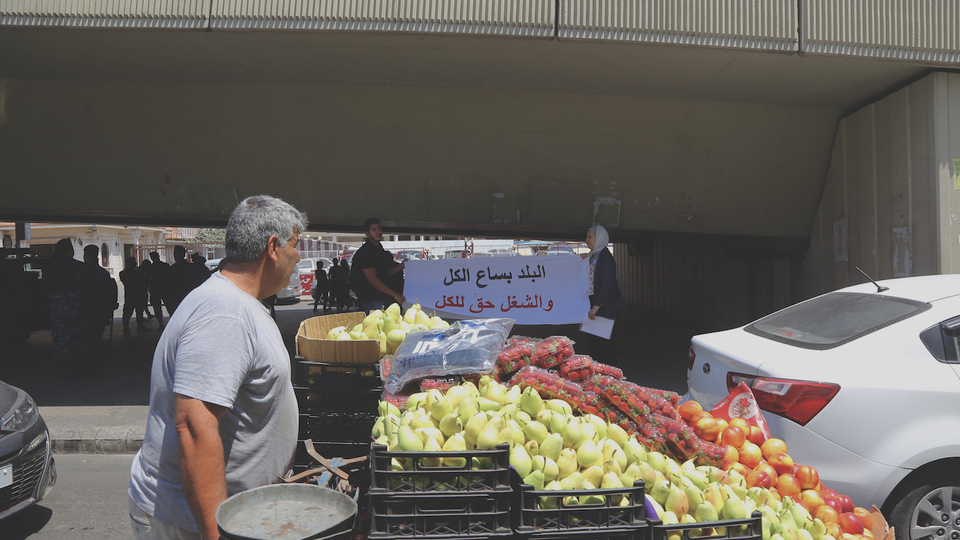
<point x="440" y="516"/>
<point x="317" y="402"/>
<point x="490" y="475"/>
<point x="733" y="529"/>
<point x="601" y="520"/>
<point x="339" y="377"/>
<point x="338" y="427"/>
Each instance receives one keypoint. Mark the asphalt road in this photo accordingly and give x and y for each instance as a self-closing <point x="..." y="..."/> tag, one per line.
<point x="89" y="502"/>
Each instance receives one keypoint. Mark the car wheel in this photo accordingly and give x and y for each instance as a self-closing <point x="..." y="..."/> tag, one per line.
<point x="930" y="511"/>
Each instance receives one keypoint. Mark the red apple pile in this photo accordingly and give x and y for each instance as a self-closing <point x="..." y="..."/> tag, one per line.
<point x="765" y="463"/>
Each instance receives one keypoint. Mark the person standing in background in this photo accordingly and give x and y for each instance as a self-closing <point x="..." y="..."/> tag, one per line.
<point x="62" y="276"/>
<point x="99" y="299"/>
<point x="605" y="298"/>
<point x="156" y="280"/>
<point x="373" y="267"/>
<point x="134" y="295"/>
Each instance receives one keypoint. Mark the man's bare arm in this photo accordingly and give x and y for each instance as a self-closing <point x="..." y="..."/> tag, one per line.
<point x="202" y="469"/>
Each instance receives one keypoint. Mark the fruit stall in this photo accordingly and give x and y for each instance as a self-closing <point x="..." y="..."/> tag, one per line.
<point x="464" y="430"/>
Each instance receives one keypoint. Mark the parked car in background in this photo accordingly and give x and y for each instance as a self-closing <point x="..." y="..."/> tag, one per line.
<point x="410" y="254"/>
<point x="863" y="384"/>
<point x="27" y="469"/>
<point x="306" y="272"/>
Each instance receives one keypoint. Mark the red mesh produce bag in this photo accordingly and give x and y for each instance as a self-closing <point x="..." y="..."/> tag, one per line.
<point x="741" y="403"/>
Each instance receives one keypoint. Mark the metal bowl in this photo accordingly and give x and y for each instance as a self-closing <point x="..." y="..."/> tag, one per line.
<point x="285" y="512"/>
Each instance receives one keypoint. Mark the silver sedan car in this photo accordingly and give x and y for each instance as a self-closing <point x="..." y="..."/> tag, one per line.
<point x="27" y="468"/>
<point x="863" y="384"/>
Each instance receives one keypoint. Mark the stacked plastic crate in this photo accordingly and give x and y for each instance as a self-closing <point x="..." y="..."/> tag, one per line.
<point x="338" y="407"/>
<point x="440" y="495"/>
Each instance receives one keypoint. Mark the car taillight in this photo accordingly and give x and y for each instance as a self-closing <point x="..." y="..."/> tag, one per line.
<point x="795" y="400"/>
<point x="691" y="358"/>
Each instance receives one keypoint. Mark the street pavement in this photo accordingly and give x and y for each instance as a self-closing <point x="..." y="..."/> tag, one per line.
<point x="105" y="411"/>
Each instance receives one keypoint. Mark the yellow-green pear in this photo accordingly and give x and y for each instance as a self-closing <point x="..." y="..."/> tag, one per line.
<point x="455" y="443"/>
<point x="572" y="481"/>
<point x="512" y="435"/>
<point x="405" y="326"/>
<point x="617" y="434"/>
<point x="371" y="331"/>
<point x="551" y="470"/>
<point x="536" y="431"/>
<point x="532" y="447"/>
<point x="522" y="418"/>
<point x="593" y="474"/>
<point x="466" y="409"/>
<point x="630" y="475"/>
<point x="410" y="316"/>
<point x="551" y="446"/>
<point x="677" y="501"/>
<point x="587" y="454"/>
<point x="389" y="324"/>
<point x="436" y="323"/>
<point x="572" y="435"/>
<point x="356" y="335"/>
<point x="431" y="446"/>
<point x="521" y="461"/>
<point x="535" y="479"/>
<point x="610" y="481"/>
<point x="343" y="336"/>
<point x="508" y="411"/>
<point x="530" y="401"/>
<point x="589" y="432"/>
<point x="408" y="440"/>
<point x="473" y="427"/>
<point x="567" y="462"/>
<point x="513" y="395"/>
<point x="334" y="332"/>
<point x="421" y="420"/>
<point x="694" y="496"/>
<point x="590" y="498"/>
<point x="430" y="432"/>
<point x="385" y="408"/>
<point x="647" y="473"/>
<point x="706" y="512"/>
<point x="634" y="450"/>
<point x="416" y="400"/>
<point x="486" y="404"/>
<point x="559" y="406"/>
<point x="382" y="339"/>
<point x="489" y="436"/>
<point x="374" y="317"/>
<point x="733" y="508"/>
<point x="550" y="503"/>
<point x="421" y="318"/>
<point x="611" y="465"/>
<point x="660" y="490"/>
<point x="456" y="393"/>
<point x="599" y="425"/>
<point x="451" y="424"/>
<point x="440" y="408"/>
<point x="393" y="311"/>
<point x="658" y="461"/>
<point x="714" y="496"/>
<point x="557" y="422"/>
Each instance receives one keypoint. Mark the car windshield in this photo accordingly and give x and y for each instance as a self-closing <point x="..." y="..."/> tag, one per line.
<point x="306" y="263"/>
<point x="834" y="319"/>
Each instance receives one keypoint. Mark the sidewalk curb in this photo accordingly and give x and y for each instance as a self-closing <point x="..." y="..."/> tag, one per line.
<point x="97" y="441"/>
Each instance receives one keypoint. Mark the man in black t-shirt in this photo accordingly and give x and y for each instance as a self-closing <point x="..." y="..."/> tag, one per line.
<point x="373" y="268"/>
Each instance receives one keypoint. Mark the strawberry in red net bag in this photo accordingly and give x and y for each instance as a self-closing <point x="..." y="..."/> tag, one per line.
<point x="741" y="403"/>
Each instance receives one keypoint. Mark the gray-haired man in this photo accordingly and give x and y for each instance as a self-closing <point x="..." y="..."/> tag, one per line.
<point x="223" y="415"/>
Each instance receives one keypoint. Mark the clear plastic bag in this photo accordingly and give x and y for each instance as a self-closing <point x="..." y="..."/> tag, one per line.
<point x="469" y="346"/>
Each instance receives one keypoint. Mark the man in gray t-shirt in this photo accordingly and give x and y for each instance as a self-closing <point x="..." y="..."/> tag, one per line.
<point x="223" y="415"/>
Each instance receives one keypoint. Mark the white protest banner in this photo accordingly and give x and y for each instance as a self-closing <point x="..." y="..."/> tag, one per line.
<point x="530" y="290"/>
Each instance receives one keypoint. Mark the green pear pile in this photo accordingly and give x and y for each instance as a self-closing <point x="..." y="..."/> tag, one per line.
<point x="551" y="448"/>
<point x="389" y="327"/>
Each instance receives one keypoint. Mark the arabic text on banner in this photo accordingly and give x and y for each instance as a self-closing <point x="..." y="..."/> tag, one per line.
<point x="530" y="290"/>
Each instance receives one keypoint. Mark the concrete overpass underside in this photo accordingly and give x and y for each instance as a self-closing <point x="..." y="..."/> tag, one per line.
<point x="695" y="124"/>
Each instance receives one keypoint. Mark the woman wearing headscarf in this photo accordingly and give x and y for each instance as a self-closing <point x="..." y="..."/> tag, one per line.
<point x="605" y="298"/>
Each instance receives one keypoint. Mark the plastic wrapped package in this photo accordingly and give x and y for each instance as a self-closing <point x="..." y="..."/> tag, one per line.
<point x="518" y="340"/>
<point x="398" y="399"/>
<point x="623" y="388"/>
<point x="577" y="368"/>
<point x="385" y="363"/>
<point x="672" y="397"/>
<point x="516" y="356"/>
<point x="682" y="442"/>
<point x="634" y="406"/>
<point x="553" y="350"/>
<point x="469" y="346"/>
<point x="608" y="370"/>
<point x="708" y="453"/>
<point x="652" y="438"/>
<point x="475" y="377"/>
<point x="438" y="383"/>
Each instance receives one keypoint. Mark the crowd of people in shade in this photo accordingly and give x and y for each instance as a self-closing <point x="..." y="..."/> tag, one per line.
<point x="155" y="284"/>
<point x="332" y="289"/>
